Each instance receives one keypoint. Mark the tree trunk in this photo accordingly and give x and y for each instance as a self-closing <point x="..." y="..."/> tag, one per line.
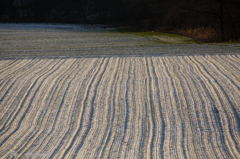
<point x="12" y="10"/>
<point x="222" y="20"/>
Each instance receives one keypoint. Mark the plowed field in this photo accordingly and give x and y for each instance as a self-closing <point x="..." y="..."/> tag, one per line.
<point x="114" y="105"/>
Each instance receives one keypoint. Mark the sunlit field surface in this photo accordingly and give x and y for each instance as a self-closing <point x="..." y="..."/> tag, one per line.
<point x="69" y="91"/>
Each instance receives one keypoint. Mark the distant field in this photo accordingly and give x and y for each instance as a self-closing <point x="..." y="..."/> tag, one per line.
<point x="70" y="91"/>
<point x="41" y="40"/>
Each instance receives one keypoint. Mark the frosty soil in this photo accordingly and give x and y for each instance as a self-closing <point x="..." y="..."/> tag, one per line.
<point x="28" y="154"/>
<point x="112" y="105"/>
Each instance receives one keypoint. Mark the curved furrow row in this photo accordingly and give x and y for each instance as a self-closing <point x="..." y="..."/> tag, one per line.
<point x="147" y="115"/>
<point x="153" y="108"/>
<point x="14" y="96"/>
<point x="11" y="87"/>
<point x="218" y="139"/>
<point x="224" y="68"/>
<point x="231" y="83"/>
<point x="198" y="113"/>
<point x="22" y="106"/>
<point x="136" y="106"/>
<point x="15" y="69"/>
<point x="182" y="144"/>
<point x="157" y="109"/>
<point x="233" y="60"/>
<point x="13" y="78"/>
<point x="225" y="90"/>
<point x="5" y="65"/>
<point x="30" y="137"/>
<point x="119" y="141"/>
<point x="217" y="96"/>
<point x="90" y="113"/>
<point x="72" y="118"/>
<point x="27" y="103"/>
<point x="108" y="108"/>
<point x="173" y="141"/>
<point x="133" y="100"/>
<point x="44" y="80"/>
<point x="62" y="110"/>
<point x="127" y="132"/>
<point x="230" y="62"/>
<point x="9" y="100"/>
<point x="121" y="107"/>
<point x="46" y="87"/>
<point x="218" y="150"/>
<point x="53" y="145"/>
<point x="9" y="66"/>
<point x="123" y="120"/>
<point x="211" y="129"/>
<point x="86" y="111"/>
<point x="166" y="116"/>
<point x="237" y="56"/>
<point x="209" y="123"/>
<point x="100" y="104"/>
<point x="183" y="110"/>
<point x="227" y="69"/>
<point x="110" y="147"/>
<point x="190" y="111"/>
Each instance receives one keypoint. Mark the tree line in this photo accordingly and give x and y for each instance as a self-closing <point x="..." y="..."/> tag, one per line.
<point x="222" y="15"/>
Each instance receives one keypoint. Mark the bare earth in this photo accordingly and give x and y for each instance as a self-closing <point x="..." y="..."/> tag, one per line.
<point x="116" y="106"/>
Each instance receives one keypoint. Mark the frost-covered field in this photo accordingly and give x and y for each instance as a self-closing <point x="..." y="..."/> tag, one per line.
<point x="31" y="40"/>
<point x="70" y="91"/>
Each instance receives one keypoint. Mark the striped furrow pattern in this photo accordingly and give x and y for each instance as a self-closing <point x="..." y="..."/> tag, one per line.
<point x="121" y="107"/>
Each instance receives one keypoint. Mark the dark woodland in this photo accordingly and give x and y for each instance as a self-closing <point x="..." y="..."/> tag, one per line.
<point x="219" y="16"/>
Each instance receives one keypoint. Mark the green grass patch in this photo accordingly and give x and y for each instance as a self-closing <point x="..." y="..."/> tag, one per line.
<point x="159" y="37"/>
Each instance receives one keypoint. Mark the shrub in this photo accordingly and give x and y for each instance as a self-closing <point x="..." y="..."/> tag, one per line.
<point x="200" y="34"/>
